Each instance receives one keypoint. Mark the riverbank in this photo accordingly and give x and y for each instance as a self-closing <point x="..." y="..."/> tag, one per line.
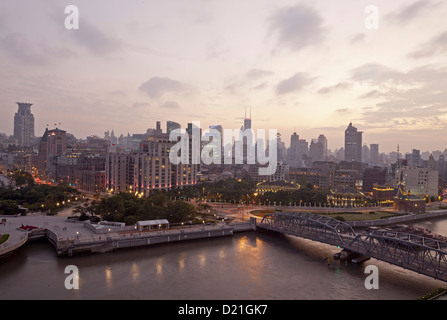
<point x="70" y="237"/>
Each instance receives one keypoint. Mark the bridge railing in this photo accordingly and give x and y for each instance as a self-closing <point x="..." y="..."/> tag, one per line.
<point x="310" y="226"/>
<point x="419" y="254"/>
<point x="424" y="255"/>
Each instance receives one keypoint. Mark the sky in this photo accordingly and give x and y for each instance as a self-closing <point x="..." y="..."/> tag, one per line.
<point x="310" y="67"/>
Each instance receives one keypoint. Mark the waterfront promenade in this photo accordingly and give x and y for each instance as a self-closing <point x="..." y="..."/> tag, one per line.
<point x="70" y="237"/>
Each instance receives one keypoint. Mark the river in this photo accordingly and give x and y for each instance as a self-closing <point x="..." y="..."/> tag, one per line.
<point x="250" y="265"/>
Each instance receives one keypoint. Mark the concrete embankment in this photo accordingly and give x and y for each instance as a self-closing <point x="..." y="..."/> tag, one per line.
<point x="84" y="238"/>
<point x="107" y="243"/>
<point x="12" y="245"/>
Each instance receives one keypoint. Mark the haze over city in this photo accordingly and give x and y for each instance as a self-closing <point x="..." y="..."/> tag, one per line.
<point x="310" y="67"/>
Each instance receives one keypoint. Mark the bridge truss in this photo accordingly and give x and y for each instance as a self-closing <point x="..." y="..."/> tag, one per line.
<point x="424" y="255"/>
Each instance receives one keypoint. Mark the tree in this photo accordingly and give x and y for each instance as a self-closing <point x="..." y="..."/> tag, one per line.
<point x="21" y="178"/>
<point x="9" y="207"/>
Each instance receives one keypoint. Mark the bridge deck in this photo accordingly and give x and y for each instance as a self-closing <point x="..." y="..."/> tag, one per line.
<point x="425" y="255"/>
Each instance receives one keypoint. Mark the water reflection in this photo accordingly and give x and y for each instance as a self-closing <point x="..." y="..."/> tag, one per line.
<point x="159" y="267"/>
<point x="252" y="265"/>
<point x="202" y="260"/>
<point x="135" y="271"/>
<point x="181" y="262"/>
<point x="108" y="277"/>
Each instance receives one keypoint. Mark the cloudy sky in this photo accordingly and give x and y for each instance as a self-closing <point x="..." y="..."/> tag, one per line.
<point x="305" y="66"/>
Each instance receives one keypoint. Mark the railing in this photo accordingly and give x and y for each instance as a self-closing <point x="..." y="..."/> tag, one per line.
<point x="424" y="255"/>
<point x="14" y="246"/>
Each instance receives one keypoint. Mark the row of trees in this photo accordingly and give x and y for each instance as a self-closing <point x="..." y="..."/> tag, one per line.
<point x="34" y="197"/>
<point x="223" y="190"/>
<point x="244" y="191"/>
<point x="128" y="208"/>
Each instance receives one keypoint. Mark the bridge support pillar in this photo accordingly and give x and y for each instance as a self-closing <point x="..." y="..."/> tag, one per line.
<point x="348" y="255"/>
<point x="253" y="223"/>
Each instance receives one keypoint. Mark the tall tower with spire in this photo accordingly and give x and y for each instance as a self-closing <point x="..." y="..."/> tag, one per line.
<point x="247" y="121"/>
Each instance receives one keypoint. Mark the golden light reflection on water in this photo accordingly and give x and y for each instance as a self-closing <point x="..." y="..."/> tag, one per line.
<point x="181" y="262"/>
<point x="242" y="242"/>
<point x="202" y="260"/>
<point x="254" y="265"/>
<point x="109" y="278"/>
<point x="135" y="271"/>
<point x="159" y="266"/>
<point x="222" y="253"/>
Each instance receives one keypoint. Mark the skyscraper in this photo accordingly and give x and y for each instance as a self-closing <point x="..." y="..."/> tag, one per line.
<point x="374" y="153"/>
<point x="353" y="144"/>
<point x="247" y="121"/>
<point x="171" y="125"/>
<point x="24" y="125"/>
<point x="323" y="141"/>
<point x="52" y="146"/>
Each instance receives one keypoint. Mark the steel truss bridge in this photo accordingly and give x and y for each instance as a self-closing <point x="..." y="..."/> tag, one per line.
<point x="423" y="255"/>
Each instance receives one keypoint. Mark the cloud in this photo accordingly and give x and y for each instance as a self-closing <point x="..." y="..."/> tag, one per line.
<point x="359" y="37"/>
<point x="421" y="101"/>
<point x="298" y="27"/>
<point x="138" y="105"/>
<point x="20" y="47"/>
<point x="375" y="73"/>
<point x="437" y="45"/>
<point x="170" y="105"/>
<point x="343" y="110"/>
<point x="255" y="74"/>
<point x="156" y="87"/>
<point x="94" y="40"/>
<point x="293" y="84"/>
<point x="411" y="11"/>
<point x="338" y="86"/>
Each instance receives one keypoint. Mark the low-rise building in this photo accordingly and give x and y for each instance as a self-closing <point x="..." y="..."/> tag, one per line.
<point x="407" y="202"/>
<point x="347" y="197"/>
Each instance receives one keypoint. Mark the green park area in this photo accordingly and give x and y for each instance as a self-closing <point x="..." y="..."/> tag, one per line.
<point x="4" y="238"/>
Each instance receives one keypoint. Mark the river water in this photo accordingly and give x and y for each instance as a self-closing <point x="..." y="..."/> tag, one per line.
<point x="250" y="265"/>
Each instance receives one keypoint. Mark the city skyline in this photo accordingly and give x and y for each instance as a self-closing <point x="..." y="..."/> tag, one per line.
<point x="299" y="66"/>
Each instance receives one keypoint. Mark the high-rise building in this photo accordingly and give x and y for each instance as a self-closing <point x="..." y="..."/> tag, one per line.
<point x="365" y="153"/>
<point x="292" y="157"/>
<point x="414" y="158"/>
<point x="281" y="150"/>
<point x="52" y="145"/>
<point x="247" y="121"/>
<point x="374" y="153"/>
<point x="220" y="129"/>
<point x="417" y="181"/>
<point x="171" y="125"/>
<point x="24" y="125"/>
<point x="353" y="144"/>
<point x="318" y="149"/>
<point x="247" y="141"/>
<point x="322" y="140"/>
<point x="147" y="169"/>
